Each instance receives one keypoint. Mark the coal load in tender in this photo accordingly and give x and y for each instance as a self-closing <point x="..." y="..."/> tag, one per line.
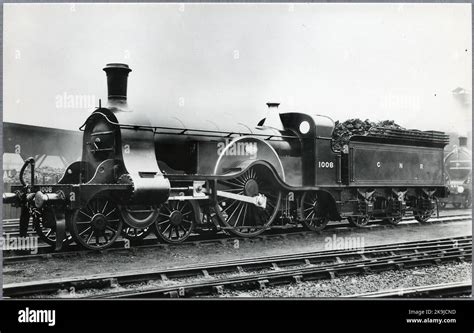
<point x="343" y="131"/>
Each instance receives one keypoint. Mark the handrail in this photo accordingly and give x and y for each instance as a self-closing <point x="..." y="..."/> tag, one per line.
<point x="183" y="131"/>
<point x="28" y="161"/>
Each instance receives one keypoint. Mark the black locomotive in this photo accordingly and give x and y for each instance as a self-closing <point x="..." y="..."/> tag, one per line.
<point x="137" y="171"/>
<point x="458" y="169"/>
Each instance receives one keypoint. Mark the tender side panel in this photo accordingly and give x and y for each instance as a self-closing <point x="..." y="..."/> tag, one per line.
<point x="389" y="164"/>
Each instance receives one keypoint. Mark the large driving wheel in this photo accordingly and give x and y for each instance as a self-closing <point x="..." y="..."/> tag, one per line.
<point x="97" y="225"/>
<point x="176" y="221"/>
<point x="311" y="212"/>
<point x="244" y="218"/>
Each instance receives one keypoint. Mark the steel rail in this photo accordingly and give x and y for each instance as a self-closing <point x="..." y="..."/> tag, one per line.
<point x="46" y="252"/>
<point x="328" y="261"/>
<point x="260" y="281"/>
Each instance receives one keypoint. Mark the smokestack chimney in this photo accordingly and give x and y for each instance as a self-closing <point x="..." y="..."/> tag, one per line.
<point x="462" y="141"/>
<point x="117" y="75"/>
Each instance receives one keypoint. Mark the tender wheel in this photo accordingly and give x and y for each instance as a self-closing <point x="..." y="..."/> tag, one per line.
<point x="457" y="205"/>
<point x="242" y="218"/>
<point x="423" y="216"/>
<point x="97" y="225"/>
<point x="358" y="221"/>
<point x="176" y="221"/>
<point x="310" y="211"/>
<point x="393" y="220"/>
<point x="442" y="205"/>
<point x="135" y="234"/>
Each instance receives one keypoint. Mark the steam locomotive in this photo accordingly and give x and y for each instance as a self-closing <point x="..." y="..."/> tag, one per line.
<point x="140" y="171"/>
<point x="458" y="169"/>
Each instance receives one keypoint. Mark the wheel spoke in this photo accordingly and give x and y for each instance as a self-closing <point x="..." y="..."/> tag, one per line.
<point x="166" y="221"/>
<point x="85" y="230"/>
<point x="111" y="229"/>
<point x="238" y="216"/>
<point x="103" y="209"/>
<point x="113" y="210"/>
<point x="231" y="184"/>
<point x="88" y="216"/>
<point x="166" y="229"/>
<point x="233" y="212"/>
<point x="233" y="203"/>
<point x="90" y="236"/>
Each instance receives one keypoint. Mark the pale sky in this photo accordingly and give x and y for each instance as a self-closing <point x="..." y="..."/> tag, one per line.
<point x="376" y="61"/>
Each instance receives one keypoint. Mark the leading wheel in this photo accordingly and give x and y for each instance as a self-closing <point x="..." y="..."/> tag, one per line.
<point x="312" y="216"/>
<point x="97" y="225"/>
<point x="44" y="226"/>
<point x="175" y="221"/>
<point x="243" y="218"/>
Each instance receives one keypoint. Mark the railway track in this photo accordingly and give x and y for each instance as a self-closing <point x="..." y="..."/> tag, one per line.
<point x="46" y="252"/>
<point x="453" y="289"/>
<point x="213" y="278"/>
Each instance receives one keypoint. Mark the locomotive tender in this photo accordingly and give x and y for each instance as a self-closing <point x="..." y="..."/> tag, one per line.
<point x="139" y="170"/>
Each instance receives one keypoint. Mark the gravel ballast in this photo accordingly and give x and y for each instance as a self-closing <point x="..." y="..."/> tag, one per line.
<point x="351" y="285"/>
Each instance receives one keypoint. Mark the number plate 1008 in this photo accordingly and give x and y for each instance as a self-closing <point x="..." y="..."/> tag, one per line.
<point x="326" y="165"/>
